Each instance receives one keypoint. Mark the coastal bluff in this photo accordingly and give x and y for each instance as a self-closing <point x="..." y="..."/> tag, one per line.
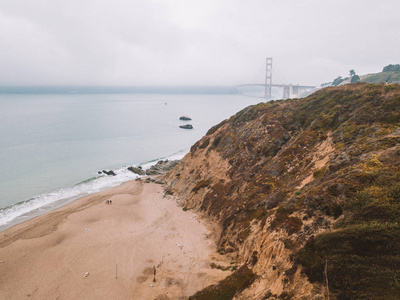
<point x="304" y="195"/>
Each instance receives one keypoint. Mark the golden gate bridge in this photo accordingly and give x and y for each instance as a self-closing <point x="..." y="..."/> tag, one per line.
<point x="288" y="90"/>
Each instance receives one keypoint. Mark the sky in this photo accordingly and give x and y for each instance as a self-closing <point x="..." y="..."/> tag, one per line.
<point x="194" y="42"/>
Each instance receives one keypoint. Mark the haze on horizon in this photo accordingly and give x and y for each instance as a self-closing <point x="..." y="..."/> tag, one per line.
<point x="195" y="43"/>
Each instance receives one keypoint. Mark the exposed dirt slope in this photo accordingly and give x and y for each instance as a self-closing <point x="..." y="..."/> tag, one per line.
<point x="305" y="189"/>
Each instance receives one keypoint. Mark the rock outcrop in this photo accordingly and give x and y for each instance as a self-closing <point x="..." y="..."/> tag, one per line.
<point x="138" y="170"/>
<point x="110" y="172"/>
<point x="161" y="167"/>
<point x="305" y="190"/>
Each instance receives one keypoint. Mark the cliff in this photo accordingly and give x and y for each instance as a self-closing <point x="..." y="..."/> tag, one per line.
<point x="303" y="190"/>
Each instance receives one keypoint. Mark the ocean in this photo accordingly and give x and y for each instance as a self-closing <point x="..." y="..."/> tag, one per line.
<point x="52" y="146"/>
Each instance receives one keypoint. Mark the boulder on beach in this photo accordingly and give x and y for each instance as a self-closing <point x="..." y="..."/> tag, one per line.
<point x="185" y="118"/>
<point x="137" y="170"/>
<point x="187" y="126"/>
<point x="161" y="167"/>
<point x="153" y="171"/>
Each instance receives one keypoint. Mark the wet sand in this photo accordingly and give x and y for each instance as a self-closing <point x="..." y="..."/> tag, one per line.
<point x="92" y="250"/>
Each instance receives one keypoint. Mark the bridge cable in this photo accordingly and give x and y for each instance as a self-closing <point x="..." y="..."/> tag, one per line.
<point x="278" y="73"/>
<point x="256" y="78"/>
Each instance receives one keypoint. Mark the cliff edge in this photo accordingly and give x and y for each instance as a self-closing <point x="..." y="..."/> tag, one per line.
<point x="305" y="194"/>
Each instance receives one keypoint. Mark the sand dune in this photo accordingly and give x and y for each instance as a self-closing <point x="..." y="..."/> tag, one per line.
<point x="93" y="250"/>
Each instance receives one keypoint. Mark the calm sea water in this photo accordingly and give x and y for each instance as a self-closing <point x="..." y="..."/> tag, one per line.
<point x="52" y="146"/>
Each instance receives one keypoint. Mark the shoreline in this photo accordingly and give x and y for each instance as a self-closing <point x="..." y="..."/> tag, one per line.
<point x="92" y="250"/>
<point x="32" y="208"/>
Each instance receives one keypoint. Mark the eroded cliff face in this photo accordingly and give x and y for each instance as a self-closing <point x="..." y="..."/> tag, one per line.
<point x="305" y="189"/>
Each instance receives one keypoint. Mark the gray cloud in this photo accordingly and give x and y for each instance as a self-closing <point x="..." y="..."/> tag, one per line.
<point x="199" y="42"/>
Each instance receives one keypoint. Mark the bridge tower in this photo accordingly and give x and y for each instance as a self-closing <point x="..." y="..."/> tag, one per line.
<point x="268" y="78"/>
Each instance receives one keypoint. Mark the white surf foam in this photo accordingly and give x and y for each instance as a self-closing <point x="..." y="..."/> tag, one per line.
<point x="25" y="210"/>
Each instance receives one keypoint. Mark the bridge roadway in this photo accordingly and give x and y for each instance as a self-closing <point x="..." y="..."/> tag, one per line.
<point x="277" y="85"/>
<point x="288" y="89"/>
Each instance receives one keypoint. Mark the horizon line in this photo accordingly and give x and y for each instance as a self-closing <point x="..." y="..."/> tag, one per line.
<point x="74" y="89"/>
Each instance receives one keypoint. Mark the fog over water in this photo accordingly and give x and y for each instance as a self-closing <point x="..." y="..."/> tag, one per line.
<point x="199" y="42"/>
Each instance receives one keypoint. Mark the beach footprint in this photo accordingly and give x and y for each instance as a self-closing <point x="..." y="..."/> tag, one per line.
<point x="147" y="273"/>
<point x="142" y="279"/>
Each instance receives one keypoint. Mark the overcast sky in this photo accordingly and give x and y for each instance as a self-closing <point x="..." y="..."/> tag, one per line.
<point x="194" y="42"/>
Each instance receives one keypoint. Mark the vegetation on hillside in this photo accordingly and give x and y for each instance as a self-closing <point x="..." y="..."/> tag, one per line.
<point x="354" y="197"/>
<point x="389" y="74"/>
<point x="392" y="68"/>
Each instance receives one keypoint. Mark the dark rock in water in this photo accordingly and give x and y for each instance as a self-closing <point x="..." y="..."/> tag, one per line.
<point x="137" y="170"/>
<point x="187" y="126"/>
<point x="161" y="167"/>
<point x="185" y="118"/>
<point x="111" y="172"/>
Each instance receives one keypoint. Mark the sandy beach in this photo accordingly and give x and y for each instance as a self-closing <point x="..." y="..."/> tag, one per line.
<point x="92" y="250"/>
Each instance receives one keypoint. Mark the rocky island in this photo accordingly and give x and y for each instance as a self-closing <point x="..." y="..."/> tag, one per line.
<point x="187" y="126"/>
<point x="185" y="118"/>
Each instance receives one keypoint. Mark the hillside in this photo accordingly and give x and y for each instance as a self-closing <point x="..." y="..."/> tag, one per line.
<point x="302" y="190"/>
<point x="389" y="74"/>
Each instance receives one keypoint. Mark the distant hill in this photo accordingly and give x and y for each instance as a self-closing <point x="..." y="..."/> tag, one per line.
<point x="389" y="74"/>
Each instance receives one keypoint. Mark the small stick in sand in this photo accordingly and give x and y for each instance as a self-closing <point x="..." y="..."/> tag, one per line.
<point x="154" y="269"/>
<point x="160" y="263"/>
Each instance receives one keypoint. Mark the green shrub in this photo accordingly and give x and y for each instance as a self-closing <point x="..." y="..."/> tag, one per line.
<point x="319" y="172"/>
<point x="293" y="225"/>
